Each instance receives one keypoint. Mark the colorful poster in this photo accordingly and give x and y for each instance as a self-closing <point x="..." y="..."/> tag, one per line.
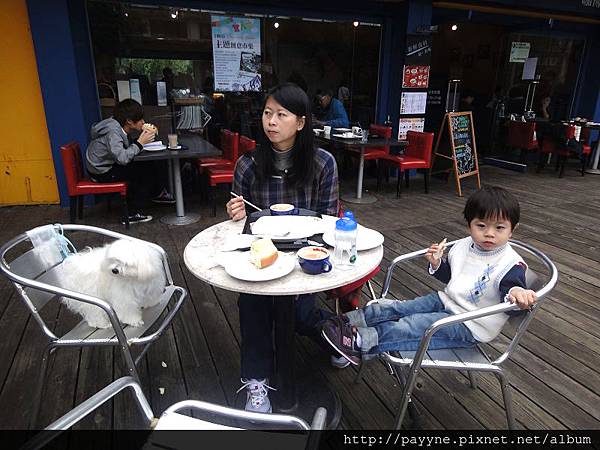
<point x="413" y="102"/>
<point x="519" y="51"/>
<point x="415" y="77"/>
<point x="236" y="53"/>
<point x="409" y="124"/>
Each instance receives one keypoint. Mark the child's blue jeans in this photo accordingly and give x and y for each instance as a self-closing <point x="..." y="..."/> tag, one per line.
<point x="399" y="325"/>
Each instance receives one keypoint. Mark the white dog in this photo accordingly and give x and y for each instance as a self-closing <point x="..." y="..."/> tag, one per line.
<point x="127" y="274"/>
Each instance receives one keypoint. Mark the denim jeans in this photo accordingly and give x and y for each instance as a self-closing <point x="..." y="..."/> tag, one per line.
<point x="399" y="325"/>
<point x="256" y="325"/>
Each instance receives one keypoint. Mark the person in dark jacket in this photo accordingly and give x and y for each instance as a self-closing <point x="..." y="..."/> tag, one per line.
<point x="111" y="151"/>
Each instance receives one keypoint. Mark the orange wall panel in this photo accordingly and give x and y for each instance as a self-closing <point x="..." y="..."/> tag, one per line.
<point x="27" y="170"/>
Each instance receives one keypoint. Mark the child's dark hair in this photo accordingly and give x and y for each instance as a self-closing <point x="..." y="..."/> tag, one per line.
<point x="493" y="202"/>
<point x="128" y="109"/>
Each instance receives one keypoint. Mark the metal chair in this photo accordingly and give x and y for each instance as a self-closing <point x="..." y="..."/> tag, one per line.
<point x="406" y="365"/>
<point x="37" y="282"/>
<point x="172" y="419"/>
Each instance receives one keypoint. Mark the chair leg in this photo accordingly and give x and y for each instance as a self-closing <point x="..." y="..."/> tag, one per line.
<point x="73" y="209"/>
<point x="213" y="194"/>
<point x="125" y="210"/>
<point x="406" y="177"/>
<point x="562" y="161"/>
<point x="426" y="176"/>
<point x="406" y="396"/>
<point x="378" y="175"/>
<point x="80" y="207"/>
<point x="507" y="395"/>
<point x="39" y="388"/>
<point x="399" y="185"/>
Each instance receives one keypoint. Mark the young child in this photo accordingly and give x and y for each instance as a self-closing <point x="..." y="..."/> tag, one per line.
<point x="481" y="270"/>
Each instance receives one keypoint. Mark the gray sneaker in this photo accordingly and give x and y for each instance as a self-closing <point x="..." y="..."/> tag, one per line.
<point x="339" y="362"/>
<point x="257" y="395"/>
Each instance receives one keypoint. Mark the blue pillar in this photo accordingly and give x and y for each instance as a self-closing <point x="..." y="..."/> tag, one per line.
<point x="64" y="78"/>
<point x="412" y="18"/>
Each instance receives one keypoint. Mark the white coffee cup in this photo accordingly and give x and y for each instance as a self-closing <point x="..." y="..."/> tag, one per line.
<point x="172" y="140"/>
<point x="357" y="131"/>
<point x="327" y="130"/>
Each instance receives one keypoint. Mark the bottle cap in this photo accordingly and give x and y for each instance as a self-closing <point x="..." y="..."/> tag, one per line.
<point x="345" y="224"/>
<point x="349" y="215"/>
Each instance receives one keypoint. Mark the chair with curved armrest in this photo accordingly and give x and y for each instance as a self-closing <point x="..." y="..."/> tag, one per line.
<point x="37" y="281"/>
<point x="407" y="365"/>
<point x="219" y="418"/>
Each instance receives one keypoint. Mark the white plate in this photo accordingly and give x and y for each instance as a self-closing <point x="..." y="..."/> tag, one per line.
<point x="155" y="148"/>
<point x="242" y="269"/>
<point x="349" y="135"/>
<point x="366" y="238"/>
<point x="342" y="129"/>
<point x="287" y="228"/>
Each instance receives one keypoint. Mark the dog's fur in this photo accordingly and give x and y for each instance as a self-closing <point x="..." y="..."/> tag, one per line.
<point x="127" y="274"/>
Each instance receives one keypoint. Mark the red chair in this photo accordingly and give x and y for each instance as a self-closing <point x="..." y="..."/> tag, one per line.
<point x="521" y="135"/>
<point x="375" y="153"/>
<point x="229" y="146"/>
<point x="551" y="145"/>
<point x="224" y="175"/>
<point x="78" y="185"/>
<point x="416" y="156"/>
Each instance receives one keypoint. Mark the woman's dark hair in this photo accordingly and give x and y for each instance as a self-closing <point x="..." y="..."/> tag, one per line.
<point x="295" y="100"/>
<point x="128" y="109"/>
<point x="491" y="202"/>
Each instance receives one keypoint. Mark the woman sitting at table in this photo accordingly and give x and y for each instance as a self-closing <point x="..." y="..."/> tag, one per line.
<point x="286" y="168"/>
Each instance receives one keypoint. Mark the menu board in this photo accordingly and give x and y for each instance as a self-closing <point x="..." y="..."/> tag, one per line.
<point x="461" y="133"/>
<point x="236" y="53"/>
<point x="415" y="77"/>
<point x="409" y="124"/>
<point x="462" y="145"/>
<point x="413" y="102"/>
<point x="519" y="51"/>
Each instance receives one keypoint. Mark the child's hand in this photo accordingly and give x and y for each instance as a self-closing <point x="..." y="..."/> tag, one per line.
<point x="434" y="254"/>
<point x="146" y="137"/>
<point x="524" y="298"/>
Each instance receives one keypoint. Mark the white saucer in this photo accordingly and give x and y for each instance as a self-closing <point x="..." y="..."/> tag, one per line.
<point x="175" y="148"/>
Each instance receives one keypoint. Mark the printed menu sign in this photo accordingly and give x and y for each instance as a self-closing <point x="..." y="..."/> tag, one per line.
<point x="236" y="53"/>
<point x="409" y="124"/>
<point x="415" y="77"/>
<point x="413" y="102"/>
<point x="519" y="51"/>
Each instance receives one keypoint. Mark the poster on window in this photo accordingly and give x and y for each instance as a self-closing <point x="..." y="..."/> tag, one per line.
<point x="415" y="77"/>
<point x="409" y="124"/>
<point x="236" y="53"/>
<point x="413" y="102"/>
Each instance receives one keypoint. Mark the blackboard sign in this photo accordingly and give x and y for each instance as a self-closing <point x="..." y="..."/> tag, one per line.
<point x="462" y="144"/>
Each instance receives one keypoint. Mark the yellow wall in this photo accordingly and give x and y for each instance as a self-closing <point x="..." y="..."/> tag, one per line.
<point x="26" y="167"/>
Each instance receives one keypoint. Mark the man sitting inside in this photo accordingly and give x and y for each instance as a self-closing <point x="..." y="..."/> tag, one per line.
<point x="333" y="110"/>
<point x="111" y="151"/>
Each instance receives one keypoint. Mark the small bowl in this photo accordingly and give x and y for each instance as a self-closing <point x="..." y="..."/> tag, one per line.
<point x="283" y="209"/>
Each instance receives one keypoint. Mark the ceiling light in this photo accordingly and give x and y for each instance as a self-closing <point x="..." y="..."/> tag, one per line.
<point x="276" y="24"/>
<point x="126" y="14"/>
<point x="174" y="14"/>
<point x="355" y="23"/>
<point x="454" y="27"/>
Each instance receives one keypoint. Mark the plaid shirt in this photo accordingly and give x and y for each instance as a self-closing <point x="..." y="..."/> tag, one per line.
<point x="322" y="196"/>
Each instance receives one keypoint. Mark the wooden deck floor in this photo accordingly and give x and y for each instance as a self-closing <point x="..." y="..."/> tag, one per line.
<point x="554" y="373"/>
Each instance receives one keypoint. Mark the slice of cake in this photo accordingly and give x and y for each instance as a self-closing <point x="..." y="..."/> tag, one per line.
<point x="263" y="253"/>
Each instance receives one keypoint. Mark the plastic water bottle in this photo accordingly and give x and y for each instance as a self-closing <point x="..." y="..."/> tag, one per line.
<point x="344" y="252"/>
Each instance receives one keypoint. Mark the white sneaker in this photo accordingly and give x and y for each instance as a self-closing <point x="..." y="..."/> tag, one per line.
<point x="257" y="395"/>
<point x="339" y="363"/>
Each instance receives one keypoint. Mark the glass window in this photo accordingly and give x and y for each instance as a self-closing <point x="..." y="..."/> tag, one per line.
<point x="156" y="44"/>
